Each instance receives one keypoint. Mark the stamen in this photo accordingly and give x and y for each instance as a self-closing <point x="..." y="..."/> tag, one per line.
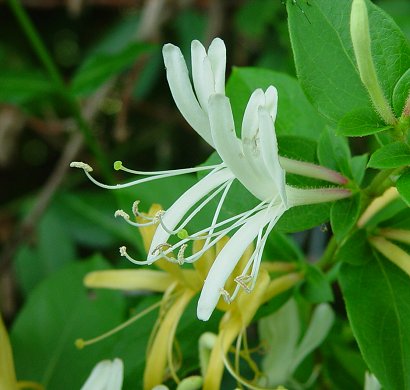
<point x="182" y="171"/>
<point x="180" y="256"/>
<point x="121" y="213"/>
<point x="158" y="217"/>
<point x="182" y="234"/>
<point x="225" y="295"/>
<point x="123" y="253"/>
<point x="118" y="165"/>
<point x="81" y="343"/>
<point x="243" y="281"/>
<point x="162" y="253"/>
<point x="135" y="210"/>
<point x="81" y="165"/>
<point x="160" y="248"/>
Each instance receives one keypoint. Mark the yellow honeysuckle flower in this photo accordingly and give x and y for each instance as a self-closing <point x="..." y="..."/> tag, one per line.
<point x="8" y="380"/>
<point x="7" y="373"/>
<point x="179" y="286"/>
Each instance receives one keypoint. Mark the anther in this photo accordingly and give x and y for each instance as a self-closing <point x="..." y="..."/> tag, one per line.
<point x="160" y="248"/>
<point x="81" y="165"/>
<point x="123" y="251"/>
<point x="180" y="256"/>
<point x="158" y="215"/>
<point x="243" y="281"/>
<point x="135" y="210"/>
<point x="121" y="213"/>
<point x="225" y="295"/>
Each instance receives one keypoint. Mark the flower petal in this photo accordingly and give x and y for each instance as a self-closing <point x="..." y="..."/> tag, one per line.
<point x="106" y="375"/>
<point x="202" y="75"/>
<point x="7" y="372"/>
<point x="226" y="261"/>
<point x="270" y="155"/>
<point x="129" y="280"/>
<point x="228" y="146"/>
<point x="217" y="56"/>
<point x="322" y="320"/>
<point x="271" y="102"/>
<point x="182" y="92"/>
<point x="181" y="206"/>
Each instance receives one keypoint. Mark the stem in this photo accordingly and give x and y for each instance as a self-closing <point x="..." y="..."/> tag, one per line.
<point x="378" y="185"/>
<point x="45" y="58"/>
<point x="327" y="257"/>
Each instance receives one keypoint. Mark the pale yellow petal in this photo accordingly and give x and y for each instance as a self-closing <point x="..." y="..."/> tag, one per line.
<point x="157" y="356"/>
<point x="129" y="280"/>
<point x="7" y="372"/>
<point x="236" y="319"/>
<point x="392" y="252"/>
<point x="281" y="284"/>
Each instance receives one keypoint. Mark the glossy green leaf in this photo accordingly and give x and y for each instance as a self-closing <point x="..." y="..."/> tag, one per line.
<point x="343" y="216"/>
<point x="301" y="218"/>
<point x="52" y="250"/>
<point x="401" y="93"/>
<point x="333" y="152"/>
<point x="359" y="164"/>
<point x="359" y="123"/>
<point x="282" y="247"/>
<point x="403" y="186"/>
<point x="325" y="61"/>
<point x="100" y="67"/>
<point x="356" y="250"/>
<point x="57" y="313"/>
<point x="393" y="155"/>
<point x="296" y="116"/>
<point x="377" y="297"/>
<point x="316" y="288"/>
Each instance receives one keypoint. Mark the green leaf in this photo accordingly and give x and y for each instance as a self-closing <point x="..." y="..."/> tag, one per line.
<point x="344" y="367"/>
<point x="401" y="93"/>
<point x="343" y="216"/>
<point x="316" y="288"/>
<point x="296" y="116"/>
<point x="100" y="67"/>
<point x="325" y="62"/>
<point x="300" y="218"/>
<point x="333" y="152"/>
<point x="282" y="247"/>
<point x="57" y="313"/>
<point x="20" y="87"/>
<point x="356" y="250"/>
<point x="359" y="123"/>
<point x="393" y="155"/>
<point x="359" y="164"/>
<point x="253" y="18"/>
<point x="403" y="186"/>
<point x="52" y="250"/>
<point x="377" y="296"/>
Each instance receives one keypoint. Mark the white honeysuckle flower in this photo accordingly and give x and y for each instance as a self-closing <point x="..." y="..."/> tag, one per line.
<point x="106" y="375"/>
<point x="208" y="75"/>
<point x="253" y="160"/>
<point x="285" y="349"/>
<point x="371" y="382"/>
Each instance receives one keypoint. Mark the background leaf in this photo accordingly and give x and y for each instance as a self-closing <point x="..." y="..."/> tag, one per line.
<point x="325" y="61"/>
<point x="377" y="297"/>
<point x="392" y="155"/>
<point x="298" y="119"/>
